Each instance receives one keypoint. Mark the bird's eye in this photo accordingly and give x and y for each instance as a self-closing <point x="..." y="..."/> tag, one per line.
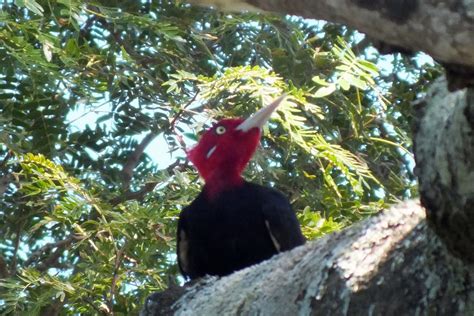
<point x="220" y="130"/>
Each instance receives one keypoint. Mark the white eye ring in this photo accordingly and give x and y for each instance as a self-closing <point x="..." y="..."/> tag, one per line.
<point x="220" y="130"/>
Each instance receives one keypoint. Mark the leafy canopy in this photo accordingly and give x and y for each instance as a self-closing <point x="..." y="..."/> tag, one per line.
<point x="98" y="101"/>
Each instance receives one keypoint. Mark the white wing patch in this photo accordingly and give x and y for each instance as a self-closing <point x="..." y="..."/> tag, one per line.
<point x="274" y="240"/>
<point x="183" y="251"/>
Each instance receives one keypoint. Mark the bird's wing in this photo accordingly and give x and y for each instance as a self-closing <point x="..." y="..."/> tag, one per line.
<point x="282" y="224"/>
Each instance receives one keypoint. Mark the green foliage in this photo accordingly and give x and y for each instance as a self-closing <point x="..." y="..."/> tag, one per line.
<point x="115" y="249"/>
<point x="315" y="225"/>
<point x="89" y="201"/>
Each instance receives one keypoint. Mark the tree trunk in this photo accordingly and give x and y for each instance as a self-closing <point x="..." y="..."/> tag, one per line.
<point x="444" y="153"/>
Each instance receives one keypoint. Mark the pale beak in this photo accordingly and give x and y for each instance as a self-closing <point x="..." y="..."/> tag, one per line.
<point x="258" y="119"/>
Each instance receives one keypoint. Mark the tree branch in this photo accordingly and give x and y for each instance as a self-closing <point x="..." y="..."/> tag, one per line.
<point x="134" y="158"/>
<point x="390" y="264"/>
<point x="134" y="195"/>
<point x="178" y="115"/>
<point x="117" y="264"/>
<point x="444" y="151"/>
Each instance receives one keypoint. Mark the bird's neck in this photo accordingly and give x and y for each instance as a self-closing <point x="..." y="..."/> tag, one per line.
<point x="219" y="182"/>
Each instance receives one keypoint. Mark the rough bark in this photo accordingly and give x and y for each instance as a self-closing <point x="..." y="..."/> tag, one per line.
<point x="391" y="264"/>
<point x="442" y="29"/>
<point x="444" y="152"/>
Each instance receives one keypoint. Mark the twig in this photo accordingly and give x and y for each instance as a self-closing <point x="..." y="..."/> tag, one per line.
<point x="15" y="251"/>
<point x="52" y="261"/>
<point x="59" y="244"/>
<point x="118" y="262"/>
<point x="175" y="119"/>
<point x="180" y="112"/>
<point x="4" y="273"/>
<point x="134" y="158"/>
<point x="148" y="187"/>
<point x="135" y="195"/>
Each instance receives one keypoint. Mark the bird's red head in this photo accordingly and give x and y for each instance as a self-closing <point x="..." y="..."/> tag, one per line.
<point x="225" y="149"/>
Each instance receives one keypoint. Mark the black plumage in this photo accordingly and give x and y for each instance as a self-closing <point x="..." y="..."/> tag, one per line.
<point x="239" y="227"/>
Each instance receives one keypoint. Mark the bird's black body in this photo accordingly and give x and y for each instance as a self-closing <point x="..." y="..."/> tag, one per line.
<point x="239" y="227"/>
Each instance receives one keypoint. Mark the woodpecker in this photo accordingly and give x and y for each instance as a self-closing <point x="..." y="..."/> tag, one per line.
<point x="233" y="224"/>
